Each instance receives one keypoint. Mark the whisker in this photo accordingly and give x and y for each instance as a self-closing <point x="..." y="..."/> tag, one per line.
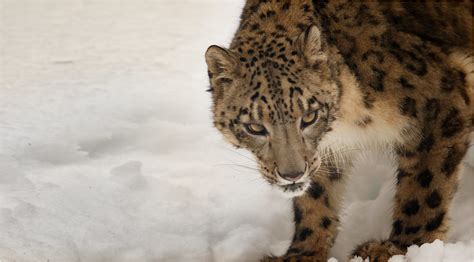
<point x="238" y="165"/>
<point x="333" y="152"/>
<point x="240" y="154"/>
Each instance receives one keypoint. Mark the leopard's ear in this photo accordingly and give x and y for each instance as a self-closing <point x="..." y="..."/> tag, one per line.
<point x="222" y="64"/>
<point x="310" y="45"/>
<point x="223" y="68"/>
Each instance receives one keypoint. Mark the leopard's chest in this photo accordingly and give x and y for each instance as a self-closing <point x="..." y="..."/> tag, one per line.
<point x="358" y="127"/>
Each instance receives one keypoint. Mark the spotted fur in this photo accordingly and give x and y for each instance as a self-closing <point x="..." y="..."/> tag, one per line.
<point x="386" y="75"/>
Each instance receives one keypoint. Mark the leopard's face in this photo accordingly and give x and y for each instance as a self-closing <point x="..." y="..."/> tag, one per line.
<point x="279" y="109"/>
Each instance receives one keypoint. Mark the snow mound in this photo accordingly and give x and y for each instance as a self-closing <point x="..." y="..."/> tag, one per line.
<point x="433" y="252"/>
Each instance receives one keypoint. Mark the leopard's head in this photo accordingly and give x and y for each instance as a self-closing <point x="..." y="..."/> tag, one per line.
<point x="277" y="98"/>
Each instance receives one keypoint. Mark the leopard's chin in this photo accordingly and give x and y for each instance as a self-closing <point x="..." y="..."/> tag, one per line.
<point x="294" y="189"/>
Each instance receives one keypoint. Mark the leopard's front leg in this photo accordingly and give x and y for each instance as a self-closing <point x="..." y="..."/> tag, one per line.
<point x="427" y="178"/>
<point x="316" y="220"/>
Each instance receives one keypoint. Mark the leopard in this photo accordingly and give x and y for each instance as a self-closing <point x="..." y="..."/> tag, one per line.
<point x="307" y="85"/>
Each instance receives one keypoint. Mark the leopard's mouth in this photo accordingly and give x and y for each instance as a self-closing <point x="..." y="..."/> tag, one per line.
<point x="294" y="189"/>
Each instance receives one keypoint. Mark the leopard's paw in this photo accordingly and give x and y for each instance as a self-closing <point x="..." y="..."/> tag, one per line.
<point x="273" y="259"/>
<point x="380" y="251"/>
<point x="276" y="259"/>
<point x="294" y="258"/>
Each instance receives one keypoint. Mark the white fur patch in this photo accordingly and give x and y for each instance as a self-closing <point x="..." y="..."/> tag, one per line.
<point x="348" y="137"/>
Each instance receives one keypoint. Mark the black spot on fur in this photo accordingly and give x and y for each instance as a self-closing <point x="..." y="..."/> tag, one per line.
<point x="254" y="96"/>
<point x="435" y="222"/>
<point x="225" y="81"/>
<point x="308" y="253"/>
<point x="319" y="5"/>
<point x="368" y="100"/>
<point x="299" y="90"/>
<point x="452" y="160"/>
<point x="304" y="233"/>
<point x="280" y="27"/>
<point x="412" y="230"/>
<point x="397" y="227"/>
<point x="447" y="82"/>
<point x="298" y="215"/>
<point x="433" y="200"/>
<point x="326" y="201"/>
<point x="405" y="84"/>
<point x="464" y="95"/>
<point x="424" y="178"/>
<point x="426" y="144"/>
<point x="325" y="222"/>
<point x="411" y="207"/>
<point x="301" y="26"/>
<point x="376" y="54"/>
<point x="408" y="106"/>
<point x="432" y="109"/>
<point x="293" y="250"/>
<point x="316" y="190"/>
<point x="305" y="7"/>
<point x="452" y="124"/>
<point x="401" y="174"/>
<point x="257" y="86"/>
<point x="396" y="243"/>
<point x="404" y="152"/>
<point x="254" y="27"/>
<point x="364" y="122"/>
<point x="409" y="59"/>
<point x="416" y="241"/>
<point x="377" y="83"/>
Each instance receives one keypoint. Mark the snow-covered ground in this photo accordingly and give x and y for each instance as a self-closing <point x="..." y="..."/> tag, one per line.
<point x="107" y="151"/>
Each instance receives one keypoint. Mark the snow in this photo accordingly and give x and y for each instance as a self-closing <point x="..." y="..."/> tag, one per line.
<point x="107" y="152"/>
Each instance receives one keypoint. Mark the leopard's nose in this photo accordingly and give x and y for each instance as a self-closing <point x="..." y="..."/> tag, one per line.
<point x="292" y="177"/>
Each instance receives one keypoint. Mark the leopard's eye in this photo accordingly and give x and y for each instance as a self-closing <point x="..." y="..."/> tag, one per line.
<point x="308" y="119"/>
<point x="254" y="129"/>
